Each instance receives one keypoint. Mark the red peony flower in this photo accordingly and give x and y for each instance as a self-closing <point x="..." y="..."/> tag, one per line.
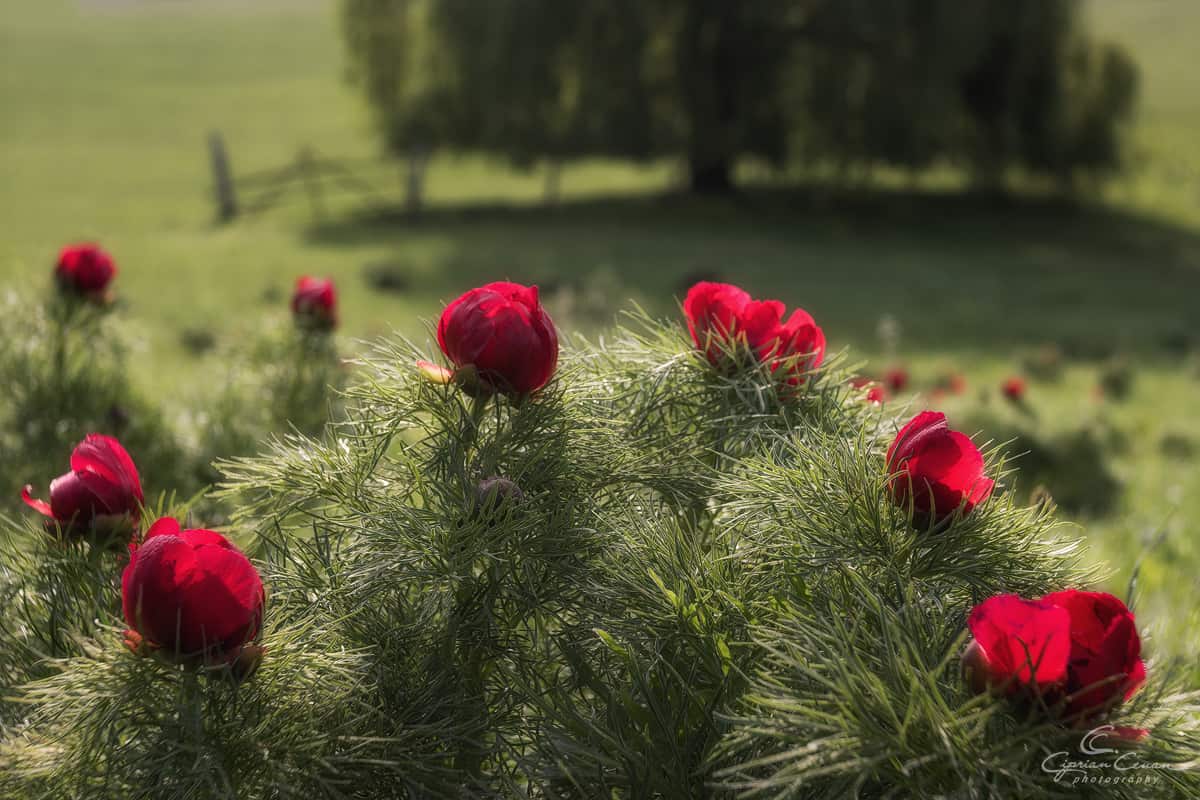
<point x="503" y="333"/>
<point x="1014" y="389"/>
<point x="1079" y="647"/>
<point x="936" y="469"/>
<point x="191" y="593"/>
<point x="102" y="490"/>
<point x="1019" y="645"/>
<point x="84" y="270"/>
<point x="1105" y="666"/>
<point x="896" y="379"/>
<point x="722" y="318"/>
<point x="314" y="303"/>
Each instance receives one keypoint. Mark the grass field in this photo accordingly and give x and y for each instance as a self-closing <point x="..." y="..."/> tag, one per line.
<point x="106" y="107"/>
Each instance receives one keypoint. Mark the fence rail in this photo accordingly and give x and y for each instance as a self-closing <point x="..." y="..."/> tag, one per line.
<point x="316" y="176"/>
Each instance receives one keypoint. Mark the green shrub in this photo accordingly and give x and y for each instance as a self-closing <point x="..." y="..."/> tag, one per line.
<point x="702" y="589"/>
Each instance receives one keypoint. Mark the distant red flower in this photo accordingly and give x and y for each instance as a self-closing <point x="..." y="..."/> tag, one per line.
<point x="503" y="333"/>
<point x="191" y="593"/>
<point x="723" y="318"/>
<point x="101" y="490"/>
<point x="1130" y="735"/>
<point x="896" y="379"/>
<point x="314" y="303"/>
<point x="876" y="393"/>
<point x="1014" y="389"/>
<point x="84" y="270"/>
<point x="957" y="383"/>
<point x="1019" y="645"/>
<point x="936" y="469"/>
<point x="1105" y="666"/>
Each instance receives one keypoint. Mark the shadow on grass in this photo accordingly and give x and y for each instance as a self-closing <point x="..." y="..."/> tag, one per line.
<point x="996" y="273"/>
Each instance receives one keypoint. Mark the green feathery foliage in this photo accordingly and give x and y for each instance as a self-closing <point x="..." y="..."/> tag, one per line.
<point x="283" y="379"/>
<point x="647" y="580"/>
<point x="64" y="366"/>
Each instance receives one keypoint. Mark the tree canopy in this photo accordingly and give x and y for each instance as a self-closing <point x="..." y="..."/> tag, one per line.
<point x="986" y="84"/>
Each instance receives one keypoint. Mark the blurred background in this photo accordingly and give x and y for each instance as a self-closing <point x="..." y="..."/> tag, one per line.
<point x="964" y="192"/>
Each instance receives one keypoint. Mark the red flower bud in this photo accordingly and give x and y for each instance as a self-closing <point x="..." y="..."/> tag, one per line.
<point x="314" y="303"/>
<point x="896" y="379"/>
<point x="1019" y="645"/>
<point x="1014" y="389"/>
<point x="101" y="490"/>
<point x="84" y="270"/>
<point x="721" y="318"/>
<point x="495" y="495"/>
<point x="191" y="593"/>
<point x="1105" y="666"/>
<point x="936" y="469"/>
<point x="503" y="333"/>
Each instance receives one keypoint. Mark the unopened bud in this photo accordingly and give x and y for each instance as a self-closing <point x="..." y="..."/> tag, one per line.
<point x="493" y="496"/>
<point x="976" y="668"/>
<point x="435" y="373"/>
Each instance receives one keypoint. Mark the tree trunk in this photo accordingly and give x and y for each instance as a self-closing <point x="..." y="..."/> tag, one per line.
<point x="414" y="183"/>
<point x="710" y="176"/>
<point x="552" y="190"/>
<point x="709" y="63"/>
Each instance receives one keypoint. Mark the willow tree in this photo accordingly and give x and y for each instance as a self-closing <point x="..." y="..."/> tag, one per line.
<point x="984" y="84"/>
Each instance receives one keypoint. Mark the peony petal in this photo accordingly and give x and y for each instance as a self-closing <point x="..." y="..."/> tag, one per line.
<point x="73" y="500"/>
<point x="1137" y="677"/>
<point x="526" y="296"/>
<point x="1092" y="615"/>
<point x="511" y="358"/>
<point x="1027" y="641"/>
<point x="40" y="506"/>
<point x="712" y="311"/>
<point x="464" y="330"/>
<point x="966" y="471"/>
<point x="108" y="471"/>
<point x="164" y="526"/>
<point x="1106" y="665"/>
<point x="758" y="322"/>
<point x="927" y="423"/>
<point x="980" y="492"/>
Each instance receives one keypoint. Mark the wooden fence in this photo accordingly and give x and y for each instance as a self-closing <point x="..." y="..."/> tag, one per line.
<point x="316" y="177"/>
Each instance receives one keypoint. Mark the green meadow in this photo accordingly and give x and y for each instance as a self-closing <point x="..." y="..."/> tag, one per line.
<point x="105" y="108"/>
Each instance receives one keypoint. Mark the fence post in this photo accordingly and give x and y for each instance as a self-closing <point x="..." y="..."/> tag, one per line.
<point x="223" y="189"/>
<point x="414" y="187"/>
<point x="553" y="186"/>
<point x="306" y="165"/>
